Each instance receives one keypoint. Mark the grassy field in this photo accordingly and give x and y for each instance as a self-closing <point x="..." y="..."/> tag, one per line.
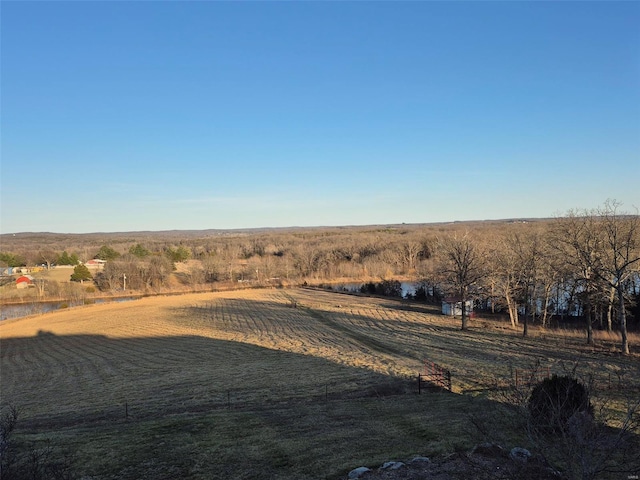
<point x="264" y="384"/>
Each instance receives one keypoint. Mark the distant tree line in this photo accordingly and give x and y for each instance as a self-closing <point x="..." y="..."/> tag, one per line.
<point x="584" y="265"/>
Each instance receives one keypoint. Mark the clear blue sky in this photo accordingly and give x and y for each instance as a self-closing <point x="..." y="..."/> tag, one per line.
<point x="120" y="116"/>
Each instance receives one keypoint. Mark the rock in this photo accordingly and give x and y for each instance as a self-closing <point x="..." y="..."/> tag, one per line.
<point x="420" y="460"/>
<point x="520" y="454"/>
<point x="492" y="450"/>
<point x="358" y="472"/>
<point x="392" y="466"/>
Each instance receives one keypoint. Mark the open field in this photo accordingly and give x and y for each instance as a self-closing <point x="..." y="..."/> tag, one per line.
<point x="267" y="383"/>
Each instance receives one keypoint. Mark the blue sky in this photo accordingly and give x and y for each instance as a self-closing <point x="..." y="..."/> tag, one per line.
<point x="121" y="116"/>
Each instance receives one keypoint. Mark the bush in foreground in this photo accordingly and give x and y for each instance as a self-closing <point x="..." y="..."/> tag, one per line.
<point x="555" y="401"/>
<point x="22" y="461"/>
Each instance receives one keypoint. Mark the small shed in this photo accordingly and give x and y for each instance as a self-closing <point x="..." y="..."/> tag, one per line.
<point x="452" y="306"/>
<point x="25" y="281"/>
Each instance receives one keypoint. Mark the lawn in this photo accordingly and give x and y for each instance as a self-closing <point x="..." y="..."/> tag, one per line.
<point x="270" y="383"/>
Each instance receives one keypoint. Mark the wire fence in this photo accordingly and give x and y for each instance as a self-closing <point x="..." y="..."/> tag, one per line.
<point x="433" y="377"/>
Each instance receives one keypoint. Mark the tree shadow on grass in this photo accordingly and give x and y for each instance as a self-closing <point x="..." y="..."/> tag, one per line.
<point x="79" y="379"/>
<point x="216" y="403"/>
<point x="190" y="406"/>
<point x="476" y="357"/>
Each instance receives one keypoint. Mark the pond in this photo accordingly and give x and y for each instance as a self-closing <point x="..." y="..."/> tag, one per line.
<point x="408" y="288"/>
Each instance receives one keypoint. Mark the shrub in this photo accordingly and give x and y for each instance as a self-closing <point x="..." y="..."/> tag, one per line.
<point x="30" y="461"/>
<point x="368" y="288"/>
<point x="554" y="401"/>
<point x="386" y="288"/>
<point x="390" y="288"/>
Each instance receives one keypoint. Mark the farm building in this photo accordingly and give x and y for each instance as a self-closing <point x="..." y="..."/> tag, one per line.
<point x="453" y="306"/>
<point x="95" y="263"/>
<point x="25" y="281"/>
<point x="22" y="270"/>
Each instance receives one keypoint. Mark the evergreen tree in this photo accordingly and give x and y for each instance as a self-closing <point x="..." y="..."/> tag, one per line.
<point x="181" y="254"/>
<point x="81" y="273"/>
<point x="139" y="251"/>
<point x="11" y="260"/>
<point x="107" y="253"/>
<point x="65" y="259"/>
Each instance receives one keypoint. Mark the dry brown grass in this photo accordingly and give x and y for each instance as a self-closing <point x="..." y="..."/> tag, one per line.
<point x="251" y="356"/>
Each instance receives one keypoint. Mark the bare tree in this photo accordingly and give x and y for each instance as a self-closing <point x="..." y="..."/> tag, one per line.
<point x="47" y="256"/>
<point x="619" y="254"/>
<point x="411" y="252"/>
<point x="195" y="274"/>
<point x="602" y="249"/>
<point x="308" y="260"/>
<point x="577" y="243"/>
<point x="157" y="271"/>
<point x="461" y="268"/>
<point x="110" y="278"/>
<point x="212" y="266"/>
<point x="505" y="278"/>
<point x="527" y="249"/>
<point x="548" y="277"/>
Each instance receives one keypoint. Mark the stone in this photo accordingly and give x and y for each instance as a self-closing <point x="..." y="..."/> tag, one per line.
<point x="358" y="472"/>
<point x="520" y="454"/>
<point x="392" y="466"/>
<point x="420" y="460"/>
